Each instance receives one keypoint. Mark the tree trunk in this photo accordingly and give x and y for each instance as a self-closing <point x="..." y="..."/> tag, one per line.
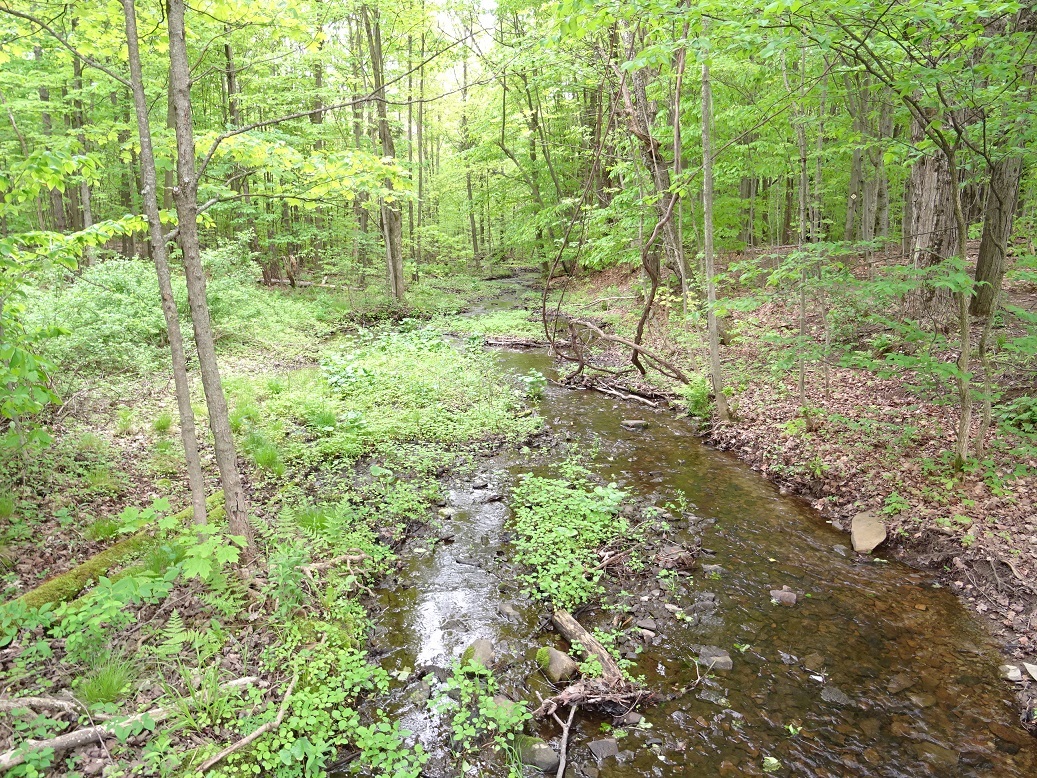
<point x="392" y="219"/>
<point x="185" y="197"/>
<point x="160" y="256"/>
<point x="707" y="211"/>
<point x="1002" y="194"/>
<point x="85" y="201"/>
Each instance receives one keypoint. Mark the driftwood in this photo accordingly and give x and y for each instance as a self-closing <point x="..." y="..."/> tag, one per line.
<point x="610" y="689"/>
<point x="96" y="733"/>
<point x="257" y="733"/>
<point x="570" y="629"/>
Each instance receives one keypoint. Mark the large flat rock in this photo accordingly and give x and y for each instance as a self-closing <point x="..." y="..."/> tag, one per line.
<point x="866" y="532"/>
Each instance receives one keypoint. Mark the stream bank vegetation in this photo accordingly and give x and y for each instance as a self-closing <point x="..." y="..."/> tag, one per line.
<point x="809" y="225"/>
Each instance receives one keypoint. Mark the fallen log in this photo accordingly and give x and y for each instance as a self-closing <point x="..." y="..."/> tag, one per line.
<point x="96" y="733"/>
<point x="8" y="704"/>
<point x="573" y="631"/>
<point x="611" y="689"/>
<point x="67" y="585"/>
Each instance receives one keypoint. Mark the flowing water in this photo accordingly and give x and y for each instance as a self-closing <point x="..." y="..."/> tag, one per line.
<point x="874" y="671"/>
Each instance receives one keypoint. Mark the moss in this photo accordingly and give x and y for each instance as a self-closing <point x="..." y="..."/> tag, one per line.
<point x="70" y="583"/>
<point x="543" y="658"/>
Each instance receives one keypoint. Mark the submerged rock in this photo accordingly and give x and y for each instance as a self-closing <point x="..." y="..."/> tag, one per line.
<point x="835" y="695"/>
<point x="715" y="658"/>
<point x="558" y="667"/>
<point x="634" y="424"/>
<point x="866" y="532"/>
<point x="603" y="749"/>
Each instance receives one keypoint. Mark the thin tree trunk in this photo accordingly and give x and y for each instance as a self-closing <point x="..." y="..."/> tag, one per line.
<point x="392" y="220"/>
<point x="185" y="196"/>
<point x="160" y="256"/>
<point x="707" y="211"/>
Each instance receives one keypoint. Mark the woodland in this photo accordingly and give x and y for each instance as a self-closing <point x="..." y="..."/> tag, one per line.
<point x="257" y="261"/>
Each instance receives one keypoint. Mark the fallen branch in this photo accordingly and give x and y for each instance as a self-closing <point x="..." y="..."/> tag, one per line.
<point x="38" y="703"/>
<point x="98" y="732"/>
<point x="565" y="741"/>
<point x="259" y="732"/>
<point x="660" y="364"/>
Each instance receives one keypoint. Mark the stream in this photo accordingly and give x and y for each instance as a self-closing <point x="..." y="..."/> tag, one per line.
<point x="875" y="671"/>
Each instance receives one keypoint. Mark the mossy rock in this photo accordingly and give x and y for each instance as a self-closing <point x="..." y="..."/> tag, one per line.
<point x="543" y="657"/>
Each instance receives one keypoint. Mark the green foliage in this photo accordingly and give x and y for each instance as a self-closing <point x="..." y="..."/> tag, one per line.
<point x="696" y="397"/>
<point x="162" y="423"/>
<point x="102" y="529"/>
<point x="466" y="699"/>
<point x="107" y="680"/>
<point x="560" y="523"/>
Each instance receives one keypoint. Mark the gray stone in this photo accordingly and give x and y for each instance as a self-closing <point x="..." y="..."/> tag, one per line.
<point x="629" y="719"/>
<point x="603" y="749"/>
<point x="866" y="532"/>
<point x="715" y="658"/>
<point x="672" y="608"/>
<point x="814" y="662"/>
<point x="420" y="694"/>
<point x="648" y="624"/>
<point x="535" y="752"/>
<point x="783" y="597"/>
<point x="1011" y="673"/>
<point x="509" y="611"/>
<point x="480" y="483"/>
<point x="923" y="700"/>
<point x="558" y="667"/>
<point x="634" y="424"/>
<point x="900" y="682"/>
<point x="1031" y="669"/>
<point x="835" y="696"/>
<point x="708" y="569"/>
<point x="480" y="652"/>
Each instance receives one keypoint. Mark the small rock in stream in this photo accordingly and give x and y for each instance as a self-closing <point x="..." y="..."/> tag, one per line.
<point x="634" y="424"/>
<point x="509" y="611"/>
<point x="558" y="667"/>
<point x="814" y="663"/>
<point x="648" y="624"/>
<point x="835" y="695"/>
<point x="480" y="652"/>
<point x="480" y="483"/>
<point x="715" y="658"/>
<point x="784" y="596"/>
<point x="535" y="752"/>
<point x="900" y="682"/>
<point x="603" y="749"/>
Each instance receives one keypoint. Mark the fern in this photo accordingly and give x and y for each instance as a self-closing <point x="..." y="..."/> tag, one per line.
<point x="173" y="636"/>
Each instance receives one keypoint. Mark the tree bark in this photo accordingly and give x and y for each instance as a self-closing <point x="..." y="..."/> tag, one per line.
<point x="160" y="256"/>
<point x="392" y="219"/>
<point x="1002" y="194"/>
<point x="185" y="197"/>
<point x="707" y="209"/>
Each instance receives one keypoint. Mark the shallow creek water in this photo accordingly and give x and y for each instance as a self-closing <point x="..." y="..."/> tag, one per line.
<point x="878" y="672"/>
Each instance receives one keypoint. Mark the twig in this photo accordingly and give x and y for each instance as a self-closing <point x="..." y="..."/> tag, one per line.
<point x="565" y="740"/>
<point x="268" y="727"/>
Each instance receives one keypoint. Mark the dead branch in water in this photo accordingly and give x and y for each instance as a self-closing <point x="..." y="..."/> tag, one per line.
<point x="610" y="689"/>
<point x="579" y="348"/>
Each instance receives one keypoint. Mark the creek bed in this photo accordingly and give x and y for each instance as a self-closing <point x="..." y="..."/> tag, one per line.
<point x="873" y="672"/>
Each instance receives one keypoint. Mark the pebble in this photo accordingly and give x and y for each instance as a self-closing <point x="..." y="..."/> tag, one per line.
<point x="648" y="624"/>
<point x="900" y="682"/>
<point x="672" y="608"/>
<point x="634" y="424"/>
<point x="715" y="658"/>
<point x="783" y="597"/>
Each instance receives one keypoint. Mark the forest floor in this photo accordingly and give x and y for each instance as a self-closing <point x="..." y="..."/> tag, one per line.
<point x="866" y="443"/>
